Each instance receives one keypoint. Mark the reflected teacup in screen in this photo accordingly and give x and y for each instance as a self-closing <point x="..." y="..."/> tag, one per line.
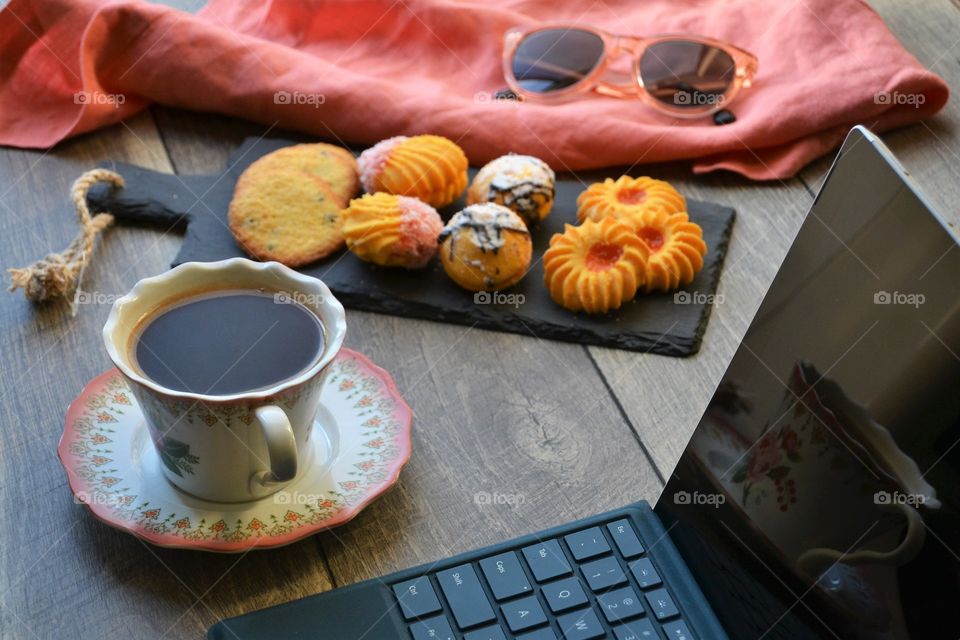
<point x="227" y="342"/>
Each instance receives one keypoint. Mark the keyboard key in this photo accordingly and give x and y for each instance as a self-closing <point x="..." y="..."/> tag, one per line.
<point x="603" y="574"/>
<point x="580" y="625"/>
<point x="416" y="597"/>
<point x="644" y="573"/>
<point x="662" y="604"/>
<point x="465" y="596"/>
<point x="546" y="560"/>
<point x="588" y="543"/>
<point x="523" y="613"/>
<point x="564" y="594"/>
<point x="625" y="538"/>
<point x="505" y="575"/>
<point x="677" y="630"/>
<point x="540" y="634"/>
<point x="487" y="633"/>
<point x="436" y="628"/>
<point x="640" y="629"/>
<point x="621" y="604"/>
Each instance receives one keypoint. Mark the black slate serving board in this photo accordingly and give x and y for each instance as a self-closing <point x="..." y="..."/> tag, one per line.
<point x="658" y="323"/>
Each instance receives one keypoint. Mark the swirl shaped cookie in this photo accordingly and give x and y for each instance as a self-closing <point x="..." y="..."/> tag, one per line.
<point x="676" y="248"/>
<point x="523" y="184"/>
<point x="595" y="267"/>
<point x="485" y="247"/>
<point x="391" y="231"/>
<point x="626" y="197"/>
<point x="431" y="168"/>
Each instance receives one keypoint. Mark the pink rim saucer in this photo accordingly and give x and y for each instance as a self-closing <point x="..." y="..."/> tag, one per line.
<point x="114" y="470"/>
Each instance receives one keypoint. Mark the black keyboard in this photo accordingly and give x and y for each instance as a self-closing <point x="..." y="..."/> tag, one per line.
<point x="596" y="582"/>
<point x="615" y="575"/>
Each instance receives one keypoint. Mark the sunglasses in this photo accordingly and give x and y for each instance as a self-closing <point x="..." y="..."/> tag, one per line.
<point x="681" y="76"/>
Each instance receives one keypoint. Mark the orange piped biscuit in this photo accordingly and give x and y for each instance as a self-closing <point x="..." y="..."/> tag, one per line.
<point x="595" y="267"/>
<point x="676" y="248"/>
<point x="431" y="168"/>
<point x="626" y="196"/>
<point x="391" y="231"/>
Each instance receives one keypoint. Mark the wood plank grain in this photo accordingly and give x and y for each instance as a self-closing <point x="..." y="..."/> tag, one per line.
<point x="63" y="573"/>
<point x="527" y="423"/>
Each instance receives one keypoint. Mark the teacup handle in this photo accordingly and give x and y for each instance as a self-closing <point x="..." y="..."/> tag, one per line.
<point x="815" y="561"/>
<point x="281" y="446"/>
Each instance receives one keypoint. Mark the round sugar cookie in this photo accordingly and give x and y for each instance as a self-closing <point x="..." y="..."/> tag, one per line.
<point x="334" y="164"/>
<point x="288" y="216"/>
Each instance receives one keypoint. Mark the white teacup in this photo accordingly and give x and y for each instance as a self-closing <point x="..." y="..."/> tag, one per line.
<point x="244" y="446"/>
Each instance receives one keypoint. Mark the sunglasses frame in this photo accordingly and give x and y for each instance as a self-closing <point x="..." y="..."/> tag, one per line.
<point x="745" y="69"/>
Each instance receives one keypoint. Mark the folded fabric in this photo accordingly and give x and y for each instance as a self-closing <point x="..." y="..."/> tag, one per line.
<point x="358" y="71"/>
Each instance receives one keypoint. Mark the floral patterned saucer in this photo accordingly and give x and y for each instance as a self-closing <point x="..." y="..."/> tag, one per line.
<point x="114" y="469"/>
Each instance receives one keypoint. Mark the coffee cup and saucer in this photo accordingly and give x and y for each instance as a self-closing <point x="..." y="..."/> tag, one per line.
<point x="234" y="418"/>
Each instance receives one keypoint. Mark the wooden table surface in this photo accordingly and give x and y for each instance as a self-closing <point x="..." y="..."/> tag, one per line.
<point x="573" y="430"/>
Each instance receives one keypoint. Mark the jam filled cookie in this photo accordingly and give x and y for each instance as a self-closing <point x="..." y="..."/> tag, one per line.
<point x="331" y="163"/>
<point x="391" y="231"/>
<point x="523" y="184"/>
<point x="485" y="247"/>
<point x="628" y="197"/>
<point x="431" y="168"/>
<point x="595" y="267"/>
<point x="287" y="216"/>
<point x="676" y="248"/>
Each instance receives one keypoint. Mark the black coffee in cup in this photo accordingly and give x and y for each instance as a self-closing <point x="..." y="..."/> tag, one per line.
<point x="227" y="342"/>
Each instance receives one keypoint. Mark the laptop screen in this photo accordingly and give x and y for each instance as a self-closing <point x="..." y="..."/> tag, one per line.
<point x="820" y="494"/>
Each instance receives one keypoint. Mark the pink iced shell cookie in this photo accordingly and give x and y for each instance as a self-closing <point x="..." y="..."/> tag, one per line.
<point x="431" y="168"/>
<point x="391" y="231"/>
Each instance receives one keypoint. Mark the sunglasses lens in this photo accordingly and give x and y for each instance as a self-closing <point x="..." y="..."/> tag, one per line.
<point x="555" y="59"/>
<point x="686" y="74"/>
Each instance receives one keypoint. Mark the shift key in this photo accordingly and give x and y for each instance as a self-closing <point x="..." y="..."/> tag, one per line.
<point x="465" y="596"/>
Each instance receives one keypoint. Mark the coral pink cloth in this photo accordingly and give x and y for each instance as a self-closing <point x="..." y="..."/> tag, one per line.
<point x="362" y="70"/>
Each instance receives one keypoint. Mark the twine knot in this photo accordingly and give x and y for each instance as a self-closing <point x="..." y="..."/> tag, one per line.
<point x="59" y="274"/>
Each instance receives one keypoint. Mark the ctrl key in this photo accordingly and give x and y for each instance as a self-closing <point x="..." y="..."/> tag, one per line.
<point x="416" y="597"/>
<point x="436" y="628"/>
